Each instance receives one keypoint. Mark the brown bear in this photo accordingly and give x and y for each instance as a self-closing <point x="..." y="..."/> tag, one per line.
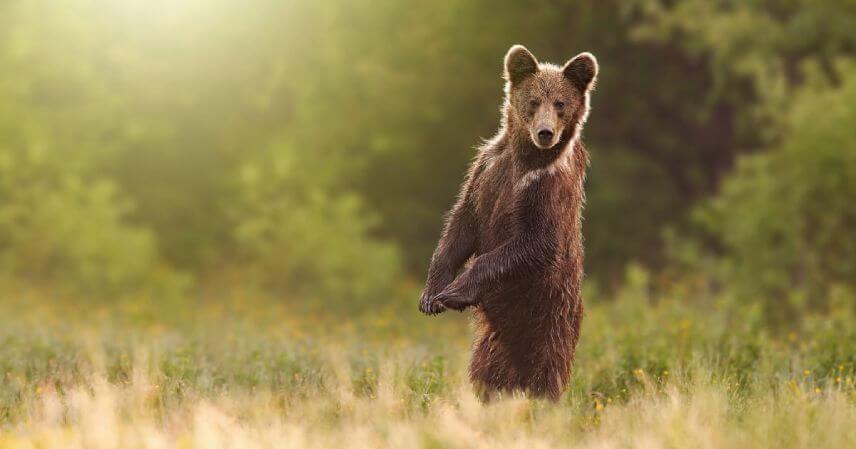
<point x="517" y="221"/>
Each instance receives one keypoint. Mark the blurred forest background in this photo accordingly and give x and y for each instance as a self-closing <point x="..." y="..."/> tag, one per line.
<point x="306" y="151"/>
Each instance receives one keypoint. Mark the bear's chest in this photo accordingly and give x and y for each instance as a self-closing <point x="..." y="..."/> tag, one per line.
<point x="495" y="206"/>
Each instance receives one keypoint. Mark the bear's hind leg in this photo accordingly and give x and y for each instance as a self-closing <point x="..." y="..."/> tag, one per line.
<point x="489" y="372"/>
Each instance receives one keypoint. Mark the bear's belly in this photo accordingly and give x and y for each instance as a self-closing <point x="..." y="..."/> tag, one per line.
<point x="518" y="305"/>
<point x="528" y="323"/>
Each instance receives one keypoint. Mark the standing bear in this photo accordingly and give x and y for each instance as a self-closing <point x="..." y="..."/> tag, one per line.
<point x="517" y="221"/>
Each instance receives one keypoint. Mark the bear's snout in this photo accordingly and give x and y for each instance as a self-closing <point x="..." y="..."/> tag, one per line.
<point x="545" y="136"/>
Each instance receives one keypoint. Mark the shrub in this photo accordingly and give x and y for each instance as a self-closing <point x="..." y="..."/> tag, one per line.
<point x="300" y="237"/>
<point x="58" y="228"/>
<point x="785" y="218"/>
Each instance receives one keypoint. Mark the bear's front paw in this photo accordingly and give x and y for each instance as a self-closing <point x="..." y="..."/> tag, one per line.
<point x="453" y="300"/>
<point x="429" y="305"/>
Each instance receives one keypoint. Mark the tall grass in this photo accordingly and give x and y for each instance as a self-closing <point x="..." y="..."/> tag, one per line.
<point x="649" y="373"/>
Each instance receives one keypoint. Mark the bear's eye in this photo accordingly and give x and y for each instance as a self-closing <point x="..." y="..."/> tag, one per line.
<point x="559" y="105"/>
<point x="534" y="103"/>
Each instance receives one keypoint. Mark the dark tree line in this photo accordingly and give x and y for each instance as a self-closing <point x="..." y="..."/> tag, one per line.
<point x="316" y="145"/>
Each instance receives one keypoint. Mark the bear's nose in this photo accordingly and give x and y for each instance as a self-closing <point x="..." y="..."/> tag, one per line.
<point x="545" y="136"/>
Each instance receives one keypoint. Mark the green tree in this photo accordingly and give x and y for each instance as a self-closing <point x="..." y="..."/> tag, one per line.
<point x="785" y="217"/>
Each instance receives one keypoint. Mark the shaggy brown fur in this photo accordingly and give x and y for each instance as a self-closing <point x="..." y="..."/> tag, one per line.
<point x="518" y="221"/>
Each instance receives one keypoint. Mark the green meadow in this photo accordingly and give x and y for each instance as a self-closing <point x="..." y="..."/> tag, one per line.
<point x="243" y="373"/>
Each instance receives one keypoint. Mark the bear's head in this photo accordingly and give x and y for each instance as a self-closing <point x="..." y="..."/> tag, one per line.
<point x="544" y="101"/>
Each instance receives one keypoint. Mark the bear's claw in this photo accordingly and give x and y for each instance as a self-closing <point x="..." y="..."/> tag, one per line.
<point x="430" y="306"/>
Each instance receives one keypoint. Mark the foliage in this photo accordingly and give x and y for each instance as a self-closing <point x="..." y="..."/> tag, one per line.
<point x="299" y="238"/>
<point x="160" y="127"/>
<point x="785" y="217"/>
<point x="57" y="227"/>
<point x="756" y="50"/>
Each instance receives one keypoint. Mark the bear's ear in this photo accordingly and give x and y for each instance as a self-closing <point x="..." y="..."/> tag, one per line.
<point x="519" y="64"/>
<point x="582" y="71"/>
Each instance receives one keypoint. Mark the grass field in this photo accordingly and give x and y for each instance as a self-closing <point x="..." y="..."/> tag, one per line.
<point x="650" y="372"/>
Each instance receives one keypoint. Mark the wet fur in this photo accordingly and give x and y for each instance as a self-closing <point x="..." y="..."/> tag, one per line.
<point x="517" y="221"/>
